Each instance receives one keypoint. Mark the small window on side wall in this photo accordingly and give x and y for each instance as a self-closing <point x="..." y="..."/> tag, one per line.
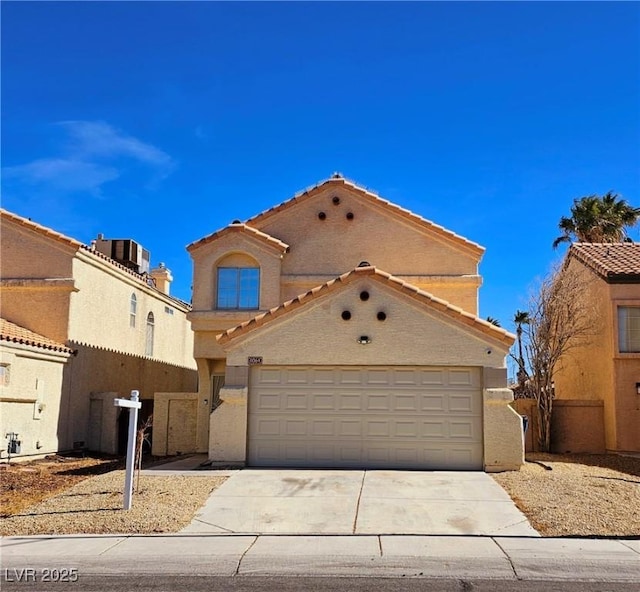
<point x="133" y="309"/>
<point x="629" y="329"/>
<point x="148" y="350"/>
<point x="238" y="288"/>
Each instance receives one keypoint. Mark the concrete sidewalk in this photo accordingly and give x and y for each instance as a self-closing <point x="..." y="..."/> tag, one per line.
<point x="507" y="558"/>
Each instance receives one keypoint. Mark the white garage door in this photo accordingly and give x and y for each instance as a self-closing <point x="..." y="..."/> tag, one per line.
<point x="370" y="417"/>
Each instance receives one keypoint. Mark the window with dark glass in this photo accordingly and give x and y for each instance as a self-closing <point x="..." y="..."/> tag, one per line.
<point x="238" y="288"/>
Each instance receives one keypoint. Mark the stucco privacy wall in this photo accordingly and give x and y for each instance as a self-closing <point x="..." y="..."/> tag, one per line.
<point x="316" y="334"/>
<point x="30" y="396"/>
<point x="96" y="370"/>
<point x="375" y="234"/>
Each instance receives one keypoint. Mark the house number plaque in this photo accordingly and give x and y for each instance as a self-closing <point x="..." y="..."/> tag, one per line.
<point x="255" y="360"/>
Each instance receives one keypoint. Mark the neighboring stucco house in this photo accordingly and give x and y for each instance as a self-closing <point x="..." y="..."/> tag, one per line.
<point x="116" y="327"/>
<point x="598" y="385"/>
<point x="31" y="377"/>
<point x="340" y="330"/>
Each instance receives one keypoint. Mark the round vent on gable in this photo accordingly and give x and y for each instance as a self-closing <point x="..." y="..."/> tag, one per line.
<point x="322" y="216"/>
<point x="335" y="200"/>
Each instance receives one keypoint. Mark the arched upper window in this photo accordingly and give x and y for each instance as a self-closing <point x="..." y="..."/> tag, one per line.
<point x="238" y="283"/>
<point x="149" y="341"/>
<point x="133" y="309"/>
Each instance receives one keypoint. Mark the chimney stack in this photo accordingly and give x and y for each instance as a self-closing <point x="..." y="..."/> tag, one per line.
<point x="162" y="278"/>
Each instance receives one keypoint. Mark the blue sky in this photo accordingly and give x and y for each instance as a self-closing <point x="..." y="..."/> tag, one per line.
<point x="164" y="121"/>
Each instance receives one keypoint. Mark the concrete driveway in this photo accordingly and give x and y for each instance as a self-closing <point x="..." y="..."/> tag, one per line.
<point x="277" y="501"/>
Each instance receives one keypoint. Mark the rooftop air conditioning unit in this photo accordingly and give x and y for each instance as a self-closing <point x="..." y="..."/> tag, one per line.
<point x="126" y="252"/>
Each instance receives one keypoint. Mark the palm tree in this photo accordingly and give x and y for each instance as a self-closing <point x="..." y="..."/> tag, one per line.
<point x="494" y="322"/>
<point x="521" y="318"/>
<point x="596" y="219"/>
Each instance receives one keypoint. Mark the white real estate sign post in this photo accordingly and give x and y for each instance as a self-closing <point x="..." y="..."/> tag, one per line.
<point x="133" y="405"/>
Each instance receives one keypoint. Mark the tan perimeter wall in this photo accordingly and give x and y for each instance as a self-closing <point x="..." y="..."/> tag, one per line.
<point x="96" y="370"/>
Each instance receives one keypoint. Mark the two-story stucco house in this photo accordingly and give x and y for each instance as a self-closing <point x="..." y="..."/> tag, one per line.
<point x="598" y="384"/>
<point x="340" y="330"/>
<point x="82" y="328"/>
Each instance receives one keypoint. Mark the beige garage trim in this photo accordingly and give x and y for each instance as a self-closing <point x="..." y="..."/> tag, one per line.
<point x="369" y="417"/>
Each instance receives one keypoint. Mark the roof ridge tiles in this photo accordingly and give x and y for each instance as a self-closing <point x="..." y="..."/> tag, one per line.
<point x="239" y="227"/>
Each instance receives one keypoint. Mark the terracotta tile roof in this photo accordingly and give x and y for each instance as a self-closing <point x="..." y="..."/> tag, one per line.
<point x="363" y="191"/>
<point x="16" y="334"/>
<point x="239" y="227"/>
<point x="454" y="312"/>
<point x="615" y="262"/>
<point x="27" y="223"/>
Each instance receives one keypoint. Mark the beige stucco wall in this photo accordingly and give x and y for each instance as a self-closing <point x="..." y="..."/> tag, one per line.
<point x="503" y="433"/>
<point x="335" y="245"/>
<point x="599" y="372"/>
<point x="316" y="334"/>
<point x="99" y="314"/>
<point x="577" y="426"/>
<point x="26" y="254"/>
<point x="30" y="402"/>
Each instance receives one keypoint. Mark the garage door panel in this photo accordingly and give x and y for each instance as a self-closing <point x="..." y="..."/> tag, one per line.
<point x="406" y="429"/>
<point x="406" y="402"/>
<point x="433" y="403"/>
<point x="352" y="429"/>
<point x="322" y="402"/>
<point x="294" y="427"/>
<point x="292" y="402"/>
<point x="432" y="377"/>
<point x="349" y="402"/>
<point x="461" y="403"/>
<point x="323" y="427"/>
<point x="378" y="402"/>
<point x="386" y="417"/>
<point x="376" y="429"/>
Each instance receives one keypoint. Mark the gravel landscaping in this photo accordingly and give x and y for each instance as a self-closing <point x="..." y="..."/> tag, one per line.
<point x="94" y="506"/>
<point x="578" y="494"/>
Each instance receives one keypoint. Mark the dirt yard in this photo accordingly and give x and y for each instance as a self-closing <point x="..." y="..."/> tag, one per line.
<point x="578" y="494"/>
<point x="24" y="484"/>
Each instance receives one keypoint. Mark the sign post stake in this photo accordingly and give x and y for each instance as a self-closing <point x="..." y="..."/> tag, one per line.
<point x="133" y="405"/>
